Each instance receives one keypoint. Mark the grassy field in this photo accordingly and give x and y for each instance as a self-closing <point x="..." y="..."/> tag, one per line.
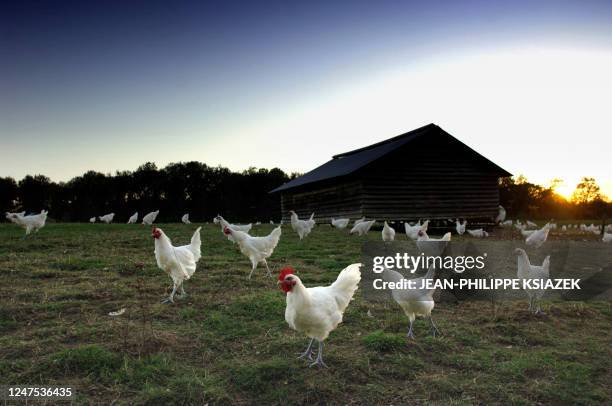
<point x="228" y="343"/>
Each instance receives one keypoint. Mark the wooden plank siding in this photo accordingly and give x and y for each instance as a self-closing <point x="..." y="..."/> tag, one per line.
<point x="327" y="201"/>
<point x="433" y="180"/>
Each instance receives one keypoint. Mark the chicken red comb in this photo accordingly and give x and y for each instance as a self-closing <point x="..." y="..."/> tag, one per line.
<point x="227" y="231"/>
<point x="284" y="272"/>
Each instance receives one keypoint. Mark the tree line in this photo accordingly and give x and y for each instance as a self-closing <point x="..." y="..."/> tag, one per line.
<point x="204" y="192"/>
<point x="179" y="188"/>
<point x="526" y="200"/>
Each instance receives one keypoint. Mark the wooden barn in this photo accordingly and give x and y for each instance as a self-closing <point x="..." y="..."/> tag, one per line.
<point x="425" y="173"/>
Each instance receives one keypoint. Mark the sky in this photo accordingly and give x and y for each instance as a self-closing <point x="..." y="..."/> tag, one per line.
<point x="109" y="85"/>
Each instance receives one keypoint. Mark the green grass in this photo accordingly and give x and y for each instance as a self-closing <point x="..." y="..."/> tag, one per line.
<point x="381" y="341"/>
<point x="228" y="343"/>
<point x="92" y="360"/>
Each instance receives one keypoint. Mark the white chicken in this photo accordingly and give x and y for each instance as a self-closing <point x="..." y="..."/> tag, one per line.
<point x="527" y="233"/>
<point x="237" y="227"/>
<point x="107" y="218"/>
<point x="594" y="229"/>
<point x="501" y="215"/>
<point x="92" y="220"/>
<point x="478" y="233"/>
<point x="422" y="236"/>
<point x="257" y="249"/>
<point x="302" y="227"/>
<point x="185" y="219"/>
<point x="361" y="220"/>
<point x="506" y="223"/>
<point x="526" y="271"/>
<point x="538" y="237"/>
<point x="133" y="218"/>
<point x="340" y="224"/>
<point x="318" y="311"/>
<point x="607" y="237"/>
<point x="388" y="233"/>
<point x="363" y="227"/>
<point x="412" y="231"/>
<point x="178" y="262"/>
<point x="149" y="218"/>
<point x="32" y="222"/>
<point x="460" y="226"/>
<point x="414" y="302"/>
<point x="432" y="246"/>
<point x="531" y="224"/>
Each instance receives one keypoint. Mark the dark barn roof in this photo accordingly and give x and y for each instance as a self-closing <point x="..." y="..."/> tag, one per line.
<point x="349" y="162"/>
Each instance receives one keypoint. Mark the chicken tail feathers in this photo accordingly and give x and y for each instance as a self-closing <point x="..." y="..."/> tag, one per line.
<point x="425" y="225"/>
<point x="195" y="245"/>
<point x="275" y="236"/>
<point x="346" y="284"/>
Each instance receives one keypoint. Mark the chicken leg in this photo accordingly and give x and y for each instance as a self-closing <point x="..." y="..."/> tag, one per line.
<point x="253" y="270"/>
<point x="183" y="294"/>
<point x="268" y="268"/>
<point x="170" y="299"/>
<point x="319" y="361"/>
<point x="410" y="333"/>
<point x="434" y="330"/>
<point x="308" y="352"/>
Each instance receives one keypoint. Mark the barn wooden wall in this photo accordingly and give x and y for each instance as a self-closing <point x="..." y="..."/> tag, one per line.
<point x="435" y="179"/>
<point x="342" y="199"/>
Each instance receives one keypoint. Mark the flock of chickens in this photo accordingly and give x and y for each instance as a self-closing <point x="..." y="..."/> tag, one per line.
<point x="318" y="310"/>
<point x="148" y="219"/>
<point x="313" y="311"/>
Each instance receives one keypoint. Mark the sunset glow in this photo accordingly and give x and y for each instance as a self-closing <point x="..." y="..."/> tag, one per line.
<point x="530" y="94"/>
